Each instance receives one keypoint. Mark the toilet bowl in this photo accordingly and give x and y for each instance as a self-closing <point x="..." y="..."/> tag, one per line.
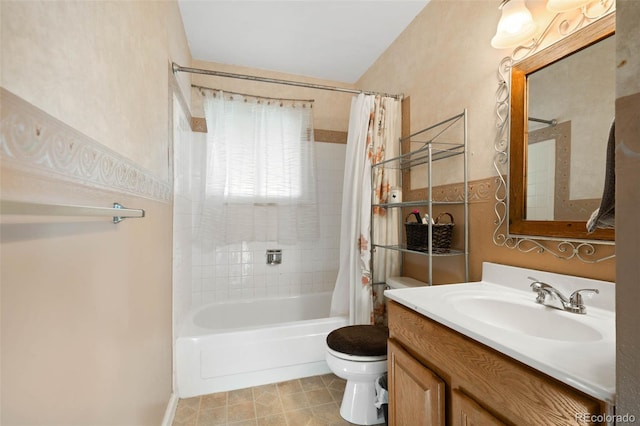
<point x="358" y="354"/>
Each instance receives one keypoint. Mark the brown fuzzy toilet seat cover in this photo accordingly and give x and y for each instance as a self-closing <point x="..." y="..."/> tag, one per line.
<point x="359" y="340"/>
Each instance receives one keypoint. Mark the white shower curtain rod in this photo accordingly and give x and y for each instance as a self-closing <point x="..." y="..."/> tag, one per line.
<point x="177" y="68"/>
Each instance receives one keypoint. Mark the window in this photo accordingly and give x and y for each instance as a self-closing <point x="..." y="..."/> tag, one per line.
<point x="260" y="154"/>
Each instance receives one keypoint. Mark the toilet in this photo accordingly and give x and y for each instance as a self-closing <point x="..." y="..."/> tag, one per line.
<point x="358" y="354"/>
<point x="403" y="282"/>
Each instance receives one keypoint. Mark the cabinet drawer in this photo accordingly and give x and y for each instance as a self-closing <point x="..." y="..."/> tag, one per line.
<point x="507" y="389"/>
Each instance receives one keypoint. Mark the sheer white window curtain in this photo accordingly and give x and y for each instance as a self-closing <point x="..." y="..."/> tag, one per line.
<point x="260" y="182"/>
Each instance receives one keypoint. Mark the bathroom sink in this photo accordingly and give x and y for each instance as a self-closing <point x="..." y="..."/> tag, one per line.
<point x="526" y="317"/>
<point x="501" y="312"/>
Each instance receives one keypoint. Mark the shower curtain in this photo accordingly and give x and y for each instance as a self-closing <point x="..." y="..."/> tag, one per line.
<point x="374" y="130"/>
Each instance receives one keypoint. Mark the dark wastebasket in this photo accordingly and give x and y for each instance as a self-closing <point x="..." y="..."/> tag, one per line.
<point x="382" y="397"/>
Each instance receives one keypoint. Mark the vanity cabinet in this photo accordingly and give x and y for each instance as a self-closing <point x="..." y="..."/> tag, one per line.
<point x="438" y="376"/>
<point x="418" y="397"/>
<point x="466" y="412"/>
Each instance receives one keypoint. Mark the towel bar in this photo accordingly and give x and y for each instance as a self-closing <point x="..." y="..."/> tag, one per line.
<point x="118" y="212"/>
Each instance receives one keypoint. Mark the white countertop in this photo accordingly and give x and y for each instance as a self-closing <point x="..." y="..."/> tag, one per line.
<point x="585" y="361"/>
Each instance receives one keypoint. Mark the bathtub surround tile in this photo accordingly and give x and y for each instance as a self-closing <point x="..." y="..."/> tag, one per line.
<point x="222" y="295"/>
<point x="209" y="285"/>
<point x="207" y="297"/>
<point x="235" y="283"/>
<point x="235" y="257"/>
<point x="235" y="270"/>
<point x="221" y="258"/>
<point x="259" y="268"/>
<point x="247" y="270"/>
<point x="273" y="271"/>
<point x="208" y="272"/>
<point x="247" y="282"/>
<point x="247" y="257"/>
<point x="306" y="278"/>
<point x="222" y="270"/>
<point x="196" y="298"/>
<point x="273" y="291"/>
<point x="259" y="281"/>
<point x="318" y="258"/>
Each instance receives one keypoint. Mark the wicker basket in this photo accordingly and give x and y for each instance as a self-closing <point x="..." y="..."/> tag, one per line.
<point x="418" y="234"/>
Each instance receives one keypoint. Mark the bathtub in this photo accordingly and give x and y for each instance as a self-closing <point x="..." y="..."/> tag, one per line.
<point x="234" y="345"/>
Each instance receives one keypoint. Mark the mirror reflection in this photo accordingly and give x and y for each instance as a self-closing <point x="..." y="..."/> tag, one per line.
<point x="571" y="105"/>
<point x="561" y="110"/>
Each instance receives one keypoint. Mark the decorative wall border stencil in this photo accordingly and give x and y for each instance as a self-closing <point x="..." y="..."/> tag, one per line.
<point x="479" y="190"/>
<point x="35" y="142"/>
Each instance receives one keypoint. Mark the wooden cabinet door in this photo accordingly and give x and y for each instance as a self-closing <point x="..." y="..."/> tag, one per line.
<point x="467" y="412"/>
<point x="416" y="394"/>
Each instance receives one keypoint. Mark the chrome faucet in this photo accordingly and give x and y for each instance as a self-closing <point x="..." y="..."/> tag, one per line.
<point x="573" y="304"/>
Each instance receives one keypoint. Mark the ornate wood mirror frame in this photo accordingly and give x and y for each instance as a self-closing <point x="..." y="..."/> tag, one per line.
<point x="512" y="229"/>
<point x="518" y="142"/>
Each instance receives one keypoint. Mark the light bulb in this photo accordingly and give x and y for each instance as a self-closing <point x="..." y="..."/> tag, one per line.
<point x="516" y="25"/>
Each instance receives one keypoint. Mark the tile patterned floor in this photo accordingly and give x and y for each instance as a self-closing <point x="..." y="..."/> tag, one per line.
<point x="311" y="401"/>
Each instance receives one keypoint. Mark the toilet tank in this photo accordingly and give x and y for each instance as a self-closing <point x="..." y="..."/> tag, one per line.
<point x="404" y="282"/>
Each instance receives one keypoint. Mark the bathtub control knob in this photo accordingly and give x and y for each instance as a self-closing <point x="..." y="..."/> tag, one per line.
<point x="274" y="256"/>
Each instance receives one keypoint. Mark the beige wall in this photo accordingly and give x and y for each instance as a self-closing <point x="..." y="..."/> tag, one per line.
<point x="86" y="305"/>
<point x="627" y="205"/>
<point x="446" y="64"/>
<point x="91" y="64"/>
<point x="86" y="312"/>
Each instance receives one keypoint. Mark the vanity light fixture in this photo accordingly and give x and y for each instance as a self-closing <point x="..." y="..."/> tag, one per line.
<point x="516" y="25"/>
<point x="559" y="6"/>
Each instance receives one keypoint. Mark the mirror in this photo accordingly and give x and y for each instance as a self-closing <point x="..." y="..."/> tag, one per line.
<point x="562" y="107"/>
